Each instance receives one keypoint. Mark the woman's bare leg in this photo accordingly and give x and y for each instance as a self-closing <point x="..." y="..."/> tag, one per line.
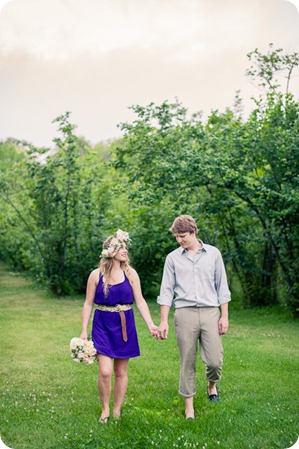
<point x="120" y="384"/>
<point x="104" y="383"/>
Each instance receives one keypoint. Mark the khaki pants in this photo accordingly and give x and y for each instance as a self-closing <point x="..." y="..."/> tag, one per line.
<point x="193" y="326"/>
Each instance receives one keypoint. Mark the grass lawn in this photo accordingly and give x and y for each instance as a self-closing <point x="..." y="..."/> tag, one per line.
<point x="50" y="402"/>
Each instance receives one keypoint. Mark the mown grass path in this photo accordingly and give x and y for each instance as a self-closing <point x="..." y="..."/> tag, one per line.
<point x="50" y="402"/>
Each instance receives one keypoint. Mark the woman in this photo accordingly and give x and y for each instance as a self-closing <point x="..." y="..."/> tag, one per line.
<point x="113" y="287"/>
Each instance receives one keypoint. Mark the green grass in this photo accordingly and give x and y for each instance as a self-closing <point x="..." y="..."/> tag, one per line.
<point x="50" y="402"/>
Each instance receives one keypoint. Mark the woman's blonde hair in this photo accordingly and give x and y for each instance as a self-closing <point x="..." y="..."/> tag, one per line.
<point x="105" y="267"/>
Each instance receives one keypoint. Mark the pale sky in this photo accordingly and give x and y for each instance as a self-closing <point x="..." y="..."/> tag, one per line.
<point x="95" y="58"/>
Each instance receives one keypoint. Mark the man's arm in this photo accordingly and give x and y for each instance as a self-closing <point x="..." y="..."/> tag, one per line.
<point x="223" y="294"/>
<point x="221" y="284"/>
<point x="163" y="328"/>
<point x="165" y="298"/>
<point x="223" y="322"/>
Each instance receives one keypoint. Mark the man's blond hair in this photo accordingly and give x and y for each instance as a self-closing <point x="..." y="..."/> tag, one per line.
<point x="182" y="224"/>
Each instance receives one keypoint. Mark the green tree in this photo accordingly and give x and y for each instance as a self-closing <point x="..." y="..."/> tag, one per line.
<point x="56" y="205"/>
<point x="70" y="195"/>
<point x="170" y="161"/>
<point x="244" y="175"/>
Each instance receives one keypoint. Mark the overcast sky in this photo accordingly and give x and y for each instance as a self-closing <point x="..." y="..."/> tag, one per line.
<point x="95" y="58"/>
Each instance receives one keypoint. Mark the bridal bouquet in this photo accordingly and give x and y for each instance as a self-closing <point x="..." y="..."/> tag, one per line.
<point x="82" y="352"/>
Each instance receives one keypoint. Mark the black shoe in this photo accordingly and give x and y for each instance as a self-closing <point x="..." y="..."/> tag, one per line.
<point x="213" y="397"/>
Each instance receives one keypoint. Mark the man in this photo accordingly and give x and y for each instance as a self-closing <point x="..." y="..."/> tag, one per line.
<point x="194" y="281"/>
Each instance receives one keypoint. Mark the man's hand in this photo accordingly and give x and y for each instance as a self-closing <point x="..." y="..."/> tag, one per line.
<point x="162" y="332"/>
<point x="223" y="325"/>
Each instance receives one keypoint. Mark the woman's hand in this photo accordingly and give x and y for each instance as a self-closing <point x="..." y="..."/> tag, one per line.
<point x="84" y="336"/>
<point x="153" y="329"/>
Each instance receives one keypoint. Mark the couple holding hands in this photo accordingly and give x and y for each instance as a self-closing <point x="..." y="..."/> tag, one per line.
<point x="194" y="282"/>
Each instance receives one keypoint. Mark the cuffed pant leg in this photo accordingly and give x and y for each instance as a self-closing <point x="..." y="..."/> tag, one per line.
<point x="211" y="343"/>
<point x="187" y="333"/>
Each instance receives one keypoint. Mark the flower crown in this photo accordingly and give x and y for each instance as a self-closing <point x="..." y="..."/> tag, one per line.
<point x="119" y="238"/>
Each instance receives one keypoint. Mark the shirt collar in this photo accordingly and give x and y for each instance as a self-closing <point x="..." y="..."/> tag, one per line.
<point x="204" y="247"/>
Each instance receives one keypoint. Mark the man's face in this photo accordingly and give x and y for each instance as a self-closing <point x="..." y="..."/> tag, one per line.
<point x="185" y="239"/>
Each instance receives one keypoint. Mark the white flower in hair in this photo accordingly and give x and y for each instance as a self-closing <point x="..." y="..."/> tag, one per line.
<point x="120" y="238"/>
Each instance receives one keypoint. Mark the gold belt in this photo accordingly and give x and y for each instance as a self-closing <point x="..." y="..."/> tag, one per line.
<point x="121" y="309"/>
<point x="116" y="308"/>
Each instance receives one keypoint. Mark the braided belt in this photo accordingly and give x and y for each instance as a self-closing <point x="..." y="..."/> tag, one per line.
<point x="120" y="308"/>
<point x="116" y="308"/>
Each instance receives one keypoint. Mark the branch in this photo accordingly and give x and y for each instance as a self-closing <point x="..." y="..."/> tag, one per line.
<point x="8" y="201"/>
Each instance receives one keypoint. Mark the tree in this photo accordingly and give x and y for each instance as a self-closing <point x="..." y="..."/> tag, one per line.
<point x="57" y="211"/>
<point x="244" y="175"/>
<point x="267" y="68"/>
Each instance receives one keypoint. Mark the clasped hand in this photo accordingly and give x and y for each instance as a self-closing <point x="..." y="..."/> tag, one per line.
<point x="161" y="332"/>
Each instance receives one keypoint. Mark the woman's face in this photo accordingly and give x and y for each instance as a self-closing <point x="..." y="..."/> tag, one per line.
<point x="122" y="254"/>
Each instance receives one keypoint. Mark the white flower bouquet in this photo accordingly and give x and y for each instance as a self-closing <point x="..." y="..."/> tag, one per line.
<point x="82" y="352"/>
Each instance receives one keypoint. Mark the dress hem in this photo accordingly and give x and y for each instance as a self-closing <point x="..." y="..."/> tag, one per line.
<point x="118" y="356"/>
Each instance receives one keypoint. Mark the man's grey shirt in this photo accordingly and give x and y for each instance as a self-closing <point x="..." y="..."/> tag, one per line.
<point x="201" y="282"/>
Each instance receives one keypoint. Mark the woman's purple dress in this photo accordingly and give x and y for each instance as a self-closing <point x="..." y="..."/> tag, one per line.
<point x="106" y="327"/>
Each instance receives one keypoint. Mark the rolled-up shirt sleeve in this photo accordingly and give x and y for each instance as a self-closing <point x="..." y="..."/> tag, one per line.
<point x="221" y="284"/>
<point x="168" y="284"/>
